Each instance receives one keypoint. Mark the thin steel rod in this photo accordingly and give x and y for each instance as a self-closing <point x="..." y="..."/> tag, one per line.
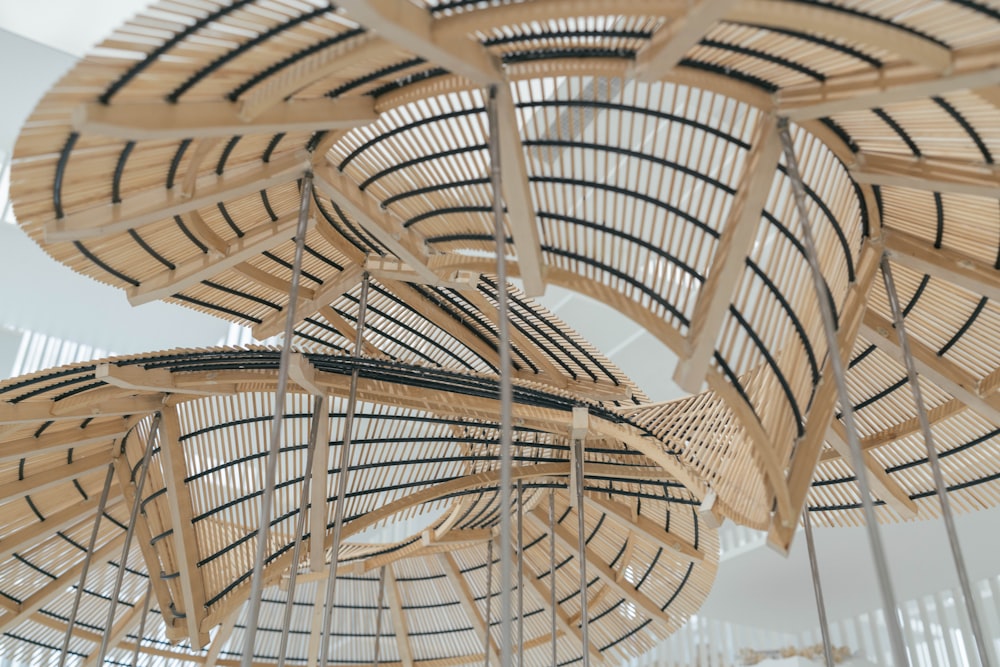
<point x="506" y="388"/>
<point x="319" y="412"/>
<point x="837" y="366"/>
<point x="489" y="602"/>
<point x="582" y="552"/>
<point x="824" y="626"/>
<point x="520" y="574"/>
<point x="142" y="623"/>
<point x="345" y="462"/>
<point x="935" y="464"/>
<point x="274" y="449"/>
<point x="101" y="504"/>
<point x="133" y="516"/>
<point x="378" y="614"/>
<point x="553" y="600"/>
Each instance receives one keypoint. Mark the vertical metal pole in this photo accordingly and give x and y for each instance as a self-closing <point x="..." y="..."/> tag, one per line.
<point x="839" y="374"/>
<point x="116" y="590"/>
<point x="506" y="388"/>
<point x="935" y="464"/>
<point x="91" y="546"/>
<point x="142" y="622"/>
<point x="582" y="553"/>
<point x="319" y="412"/>
<point x="489" y="602"/>
<point x="824" y="626"/>
<point x="378" y="614"/>
<point x="520" y="574"/>
<point x="274" y="449"/>
<point x="345" y="462"/>
<point x="553" y="599"/>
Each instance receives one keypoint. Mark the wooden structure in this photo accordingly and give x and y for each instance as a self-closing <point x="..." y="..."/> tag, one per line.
<point x="640" y="166"/>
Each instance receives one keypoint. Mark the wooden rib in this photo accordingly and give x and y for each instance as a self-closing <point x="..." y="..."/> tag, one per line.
<point x="58" y="586"/>
<point x="563" y="624"/>
<point x="399" y="626"/>
<point x="221" y="639"/>
<point x="331" y="289"/>
<point x="144" y="538"/>
<point x="941" y="371"/>
<point x="54" y="475"/>
<point x="65" y="439"/>
<point x="517" y="195"/>
<point x="851" y="28"/>
<point x="187" y="274"/>
<point x="807" y="451"/>
<point x="137" y="378"/>
<point x="955" y="267"/>
<point x="676" y="37"/>
<point x="629" y="520"/>
<point x="729" y="261"/>
<point x="271" y="282"/>
<point x="21" y="413"/>
<point x="316" y="627"/>
<point x="468" y="602"/>
<point x="184" y="539"/>
<point x="348" y="331"/>
<point x="884" y="486"/>
<point x="78" y="513"/>
<point x="456" y="537"/>
<point x="602" y="569"/>
<point x="936" y="175"/>
<point x="159" y="121"/>
<point x="405" y="24"/>
<point x="197" y="226"/>
<point x="156" y="204"/>
<point x="404" y="243"/>
<point x="895" y="84"/>
<point x="119" y="631"/>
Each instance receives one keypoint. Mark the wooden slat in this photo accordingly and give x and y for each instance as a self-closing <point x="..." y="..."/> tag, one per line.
<point x="629" y="520"/>
<point x="676" y="37"/>
<point x="142" y="208"/>
<point x="977" y="276"/>
<point x="183" y="536"/>
<point x="729" y="261"/>
<point x="935" y="175"/>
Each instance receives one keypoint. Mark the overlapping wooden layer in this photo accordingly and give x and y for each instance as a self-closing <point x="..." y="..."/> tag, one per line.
<point x="408" y="463"/>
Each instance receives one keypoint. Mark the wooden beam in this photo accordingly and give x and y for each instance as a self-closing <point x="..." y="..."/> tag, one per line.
<point x="333" y="288"/>
<point x="882" y="484"/>
<point x="348" y="331"/>
<point x="973" y="274"/>
<point x="42" y="411"/>
<point x="404" y="243"/>
<point x="849" y="27"/>
<point x="936" y="175"/>
<point x="729" y="261"/>
<point x="54" y="475"/>
<point x="399" y="625"/>
<point x="602" y="569"/>
<point x="59" y="585"/>
<point x="54" y="441"/>
<point x="137" y="378"/>
<point x="675" y="38"/>
<point x="630" y="520"/>
<point x="456" y="537"/>
<point x="221" y="638"/>
<point x="157" y="204"/>
<point x="468" y="602"/>
<point x="316" y="626"/>
<point x="187" y="274"/>
<point x="406" y="25"/>
<point x="159" y="121"/>
<point x="303" y="373"/>
<point x="185" y="542"/>
<point x="389" y="268"/>
<point x="77" y="513"/>
<point x="940" y="370"/>
<point x="895" y="84"/>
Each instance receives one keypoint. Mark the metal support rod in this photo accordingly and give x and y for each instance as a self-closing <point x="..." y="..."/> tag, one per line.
<point x="837" y="365"/>
<point x="133" y="516"/>
<point x="274" y="448"/>
<point x="319" y="412"/>
<point x="553" y="600"/>
<point x="582" y="552"/>
<point x="489" y="602"/>
<point x="824" y="626"/>
<point x="506" y="388"/>
<point x="142" y="624"/>
<point x="378" y="614"/>
<point x="520" y="574"/>
<point x="345" y="462"/>
<point x="91" y="546"/>
<point x="935" y="464"/>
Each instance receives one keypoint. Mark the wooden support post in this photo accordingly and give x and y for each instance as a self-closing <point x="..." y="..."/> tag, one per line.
<point x="468" y="602"/>
<point x="399" y="625"/>
<point x="221" y="639"/>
